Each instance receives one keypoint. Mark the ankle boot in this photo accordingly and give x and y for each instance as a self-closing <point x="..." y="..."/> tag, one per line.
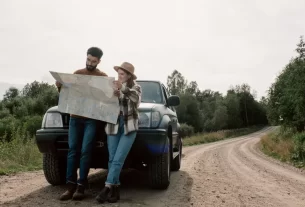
<point x="79" y="193"/>
<point x="114" y="194"/>
<point x="68" y="194"/>
<point x="103" y="195"/>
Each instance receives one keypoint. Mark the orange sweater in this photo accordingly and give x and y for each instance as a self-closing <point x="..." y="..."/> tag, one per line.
<point x="84" y="71"/>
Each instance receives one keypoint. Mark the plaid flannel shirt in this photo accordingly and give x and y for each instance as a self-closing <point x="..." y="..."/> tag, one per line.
<point x="129" y="100"/>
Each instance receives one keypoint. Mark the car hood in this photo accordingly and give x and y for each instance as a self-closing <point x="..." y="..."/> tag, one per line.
<point x="147" y="106"/>
<point x="142" y="107"/>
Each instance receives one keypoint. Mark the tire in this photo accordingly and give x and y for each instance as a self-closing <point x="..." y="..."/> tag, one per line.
<point x="54" y="169"/>
<point x="176" y="164"/>
<point x="159" y="171"/>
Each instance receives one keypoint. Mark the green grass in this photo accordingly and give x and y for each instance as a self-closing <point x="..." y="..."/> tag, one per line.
<point x="18" y="155"/>
<point x="219" y="135"/>
<point x="285" y="145"/>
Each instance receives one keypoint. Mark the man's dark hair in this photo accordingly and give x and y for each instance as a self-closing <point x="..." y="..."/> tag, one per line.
<point x="95" y="52"/>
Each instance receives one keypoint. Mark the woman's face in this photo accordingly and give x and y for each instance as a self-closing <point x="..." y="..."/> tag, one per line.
<point x="123" y="76"/>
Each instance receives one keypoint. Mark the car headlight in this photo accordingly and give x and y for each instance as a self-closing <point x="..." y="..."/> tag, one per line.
<point x="52" y="120"/>
<point x="149" y="119"/>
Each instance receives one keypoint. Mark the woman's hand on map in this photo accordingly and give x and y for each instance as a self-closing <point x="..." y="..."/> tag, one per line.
<point x="117" y="84"/>
<point x="116" y="93"/>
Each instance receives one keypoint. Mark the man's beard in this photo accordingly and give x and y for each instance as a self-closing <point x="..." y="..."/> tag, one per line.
<point x="90" y="67"/>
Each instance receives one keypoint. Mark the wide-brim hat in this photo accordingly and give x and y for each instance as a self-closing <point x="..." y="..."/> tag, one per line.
<point x="127" y="67"/>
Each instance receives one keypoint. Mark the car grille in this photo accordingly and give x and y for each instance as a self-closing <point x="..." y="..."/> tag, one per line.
<point x="65" y="120"/>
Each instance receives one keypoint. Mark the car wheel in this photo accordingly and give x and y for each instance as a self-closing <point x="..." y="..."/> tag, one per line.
<point x="54" y="169"/>
<point x="177" y="160"/>
<point x="159" y="170"/>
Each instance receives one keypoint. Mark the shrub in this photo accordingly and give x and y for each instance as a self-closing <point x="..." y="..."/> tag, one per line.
<point x="32" y="124"/>
<point x="299" y="147"/>
<point x="186" y="130"/>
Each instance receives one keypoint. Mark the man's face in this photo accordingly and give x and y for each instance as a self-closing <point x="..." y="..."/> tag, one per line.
<point x="91" y="62"/>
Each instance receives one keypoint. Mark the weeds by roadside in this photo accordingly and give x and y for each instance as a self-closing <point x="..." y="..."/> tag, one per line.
<point x="20" y="154"/>
<point x="285" y="145"/>
<point x="219" y="135"/>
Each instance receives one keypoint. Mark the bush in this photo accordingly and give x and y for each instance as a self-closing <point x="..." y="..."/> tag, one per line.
<point x="32" y="124"/>
<point x="299" y="148"/>
<point x="7" y="126"/>
<point x="186" y="130"/>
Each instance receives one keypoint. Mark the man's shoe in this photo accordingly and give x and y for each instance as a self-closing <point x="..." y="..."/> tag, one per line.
<point x="114" y="194"/>
<point x="68" y="194"/>
<point x="79" y="193"/>
<point x="103" y="195"/>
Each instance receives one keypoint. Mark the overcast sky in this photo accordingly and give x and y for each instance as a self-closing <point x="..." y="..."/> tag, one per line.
<point x="216" y="43"/>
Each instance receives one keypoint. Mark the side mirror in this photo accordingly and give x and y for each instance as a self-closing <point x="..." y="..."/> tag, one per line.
<point x="173" y="100"/>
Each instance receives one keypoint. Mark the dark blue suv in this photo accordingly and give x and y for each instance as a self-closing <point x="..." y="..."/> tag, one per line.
<point x="157" y="148"/>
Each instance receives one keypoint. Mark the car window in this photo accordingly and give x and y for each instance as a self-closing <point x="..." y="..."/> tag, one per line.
<point x="151" y="92"/>
<point x="165" y="91"/>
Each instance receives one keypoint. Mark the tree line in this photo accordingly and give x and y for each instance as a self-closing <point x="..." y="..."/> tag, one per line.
<point x="199" y="111"/>
<point x="207" y="110"/>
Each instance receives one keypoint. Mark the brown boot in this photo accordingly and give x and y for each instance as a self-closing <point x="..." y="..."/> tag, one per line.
<point x="103" y="195"/>
<point x="79" y="193"/>
<point x="67" y="195"/>
<point x="114" y="194"/>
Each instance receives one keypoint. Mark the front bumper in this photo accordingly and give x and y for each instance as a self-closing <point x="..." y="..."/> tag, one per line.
<point x="148" y="142"/>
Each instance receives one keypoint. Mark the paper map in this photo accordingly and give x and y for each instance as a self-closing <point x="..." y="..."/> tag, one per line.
<point x="87" y="96"/>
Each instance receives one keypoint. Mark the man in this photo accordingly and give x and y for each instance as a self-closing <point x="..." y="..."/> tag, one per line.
<point x="82" y="132"/>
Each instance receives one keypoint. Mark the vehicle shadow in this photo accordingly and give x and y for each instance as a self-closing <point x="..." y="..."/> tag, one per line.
<point x="134" y="192"/>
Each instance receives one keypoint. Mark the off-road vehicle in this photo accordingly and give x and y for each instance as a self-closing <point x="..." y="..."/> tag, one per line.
<point x="157" y="148"/>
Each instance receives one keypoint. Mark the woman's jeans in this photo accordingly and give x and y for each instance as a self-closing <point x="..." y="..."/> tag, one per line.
<point x="81" y="139"/>
<point x="119" y="146"/>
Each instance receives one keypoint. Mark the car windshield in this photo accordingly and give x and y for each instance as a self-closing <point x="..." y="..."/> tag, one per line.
<point x="151" y="92"/>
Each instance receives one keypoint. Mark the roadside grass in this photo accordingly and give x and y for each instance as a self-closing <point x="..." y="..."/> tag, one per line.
<point x="20" y="154"/>
<point x="285" y="145"/>
<point x="202" y="138"/>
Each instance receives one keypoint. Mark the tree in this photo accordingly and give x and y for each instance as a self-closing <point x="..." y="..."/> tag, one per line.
<point x="287" y="95"/>
<point x="188" y="112"/>
<point x="220" y="117"/>
<point x="34" y="89"/>
<point x="176" y="83"/>
<point x="301" y="49"/>
<point x="192" y="88"/>
<point x="10" y="94"/>
<point x="233" y="110"/>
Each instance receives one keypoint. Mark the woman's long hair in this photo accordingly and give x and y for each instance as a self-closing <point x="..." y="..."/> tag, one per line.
<point x="130" y="82"/>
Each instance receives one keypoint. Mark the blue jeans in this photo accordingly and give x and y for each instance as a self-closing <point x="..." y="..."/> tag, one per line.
<point x="81" y="140"/>
<point x="119" y="146"/>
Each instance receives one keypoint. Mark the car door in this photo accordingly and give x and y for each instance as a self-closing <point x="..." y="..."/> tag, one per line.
<point x="174" y="122"/>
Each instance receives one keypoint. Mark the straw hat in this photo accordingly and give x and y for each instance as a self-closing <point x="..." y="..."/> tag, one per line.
<point x="127" y="67"/>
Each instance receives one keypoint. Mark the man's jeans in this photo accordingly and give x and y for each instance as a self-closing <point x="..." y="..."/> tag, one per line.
<point x="81" y="139"/>
<point x="118" y="146"/>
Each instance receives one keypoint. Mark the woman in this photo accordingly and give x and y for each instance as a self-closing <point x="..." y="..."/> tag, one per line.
<point x="121" y="136"/>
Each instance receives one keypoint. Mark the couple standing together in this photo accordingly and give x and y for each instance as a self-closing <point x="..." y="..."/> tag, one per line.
<point x="120" y="136"/>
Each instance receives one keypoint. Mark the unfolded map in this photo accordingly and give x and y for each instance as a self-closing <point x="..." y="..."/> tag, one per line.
<point x="87" y="96"/>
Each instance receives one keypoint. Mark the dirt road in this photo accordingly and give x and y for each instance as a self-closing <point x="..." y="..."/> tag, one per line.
<point x="227" y="173"/>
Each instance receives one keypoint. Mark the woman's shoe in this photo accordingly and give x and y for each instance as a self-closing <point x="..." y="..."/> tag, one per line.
<point x="103" y="195"/>
<point x="114" y="194"/>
